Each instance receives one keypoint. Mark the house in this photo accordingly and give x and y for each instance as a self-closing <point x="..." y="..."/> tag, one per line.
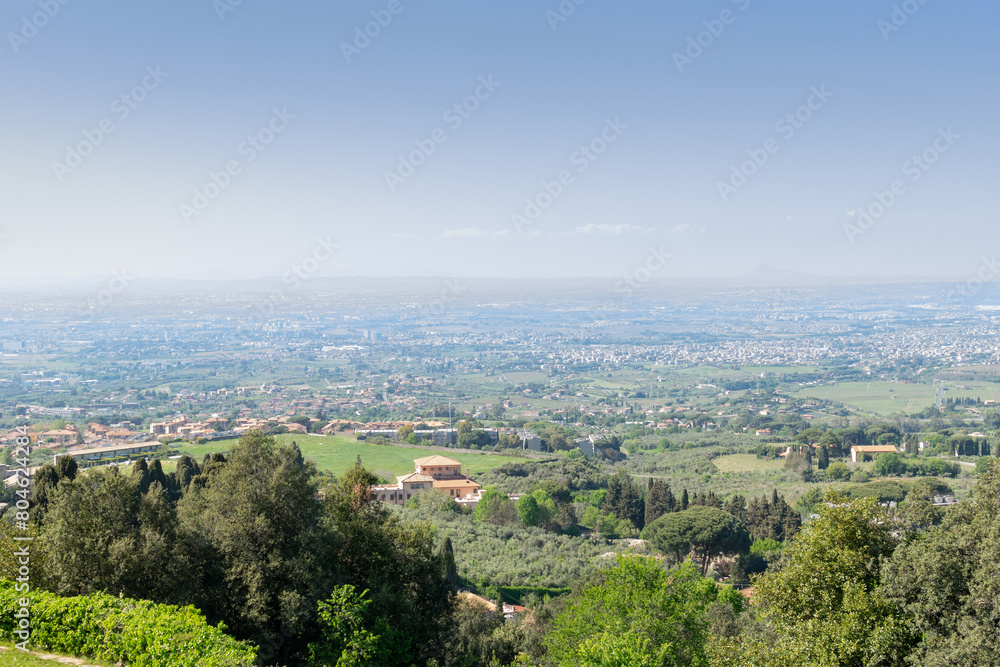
<point x="858" y="453"/>
<point x="59" y="436"/>
<point x="431" y="472"/>
<point x="97" y="455"/>
<point x="168" y="427"/>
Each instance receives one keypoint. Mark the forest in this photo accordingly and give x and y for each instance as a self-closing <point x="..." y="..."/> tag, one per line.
<point x="264" y="560"/>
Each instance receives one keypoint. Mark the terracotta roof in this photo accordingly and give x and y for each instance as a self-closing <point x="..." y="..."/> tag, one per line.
<point x="875" y="448"/>
<point x="437" y="460"/>
<point x="454" y="483"/>
<point x="415" y="477"/>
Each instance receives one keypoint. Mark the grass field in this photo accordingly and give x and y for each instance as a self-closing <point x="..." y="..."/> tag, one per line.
<point x="337" y="453"/>
<point x="987" y="391"/>
<point x="882" y="397"/>
<point x="746" y="463"/>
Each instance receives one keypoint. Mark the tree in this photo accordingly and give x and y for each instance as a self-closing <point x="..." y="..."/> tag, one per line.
<point x="889" y="464"/>
<point x="401" y="566"/>
<point x="659" y="500"/>
<point x="946" y="581"/>
<point x="824" y="605"/>
<point x="495" y="507"/>
<point x="824" y="457"/>
<point x="527" y="510"/>
<point x="706" y="530"/>
<point x="102" y="534"/>
<point x="255" y="531"/>
<point x="624" y="500"/>
<point x="838" y="470"/>
<point x="344" y="642"/>
<point x="638" y="614"/>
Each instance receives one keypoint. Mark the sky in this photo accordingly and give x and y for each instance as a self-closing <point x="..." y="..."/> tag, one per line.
<point x="582" y="138"/>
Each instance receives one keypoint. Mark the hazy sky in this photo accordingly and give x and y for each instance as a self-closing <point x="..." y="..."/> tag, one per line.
<point x="412" y="147"/>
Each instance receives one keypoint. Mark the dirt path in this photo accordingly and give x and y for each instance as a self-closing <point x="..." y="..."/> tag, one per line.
<point x="50" y="656"/>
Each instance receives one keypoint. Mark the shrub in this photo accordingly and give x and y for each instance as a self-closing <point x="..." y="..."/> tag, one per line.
<point x="138" y="633"/>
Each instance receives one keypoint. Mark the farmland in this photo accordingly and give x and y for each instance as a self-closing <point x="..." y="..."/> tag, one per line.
<point x="884" y="398"/>
<point x="335" y="454"/>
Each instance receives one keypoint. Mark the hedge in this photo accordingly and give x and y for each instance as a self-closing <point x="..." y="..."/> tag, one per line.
<point x="138" y="633"/>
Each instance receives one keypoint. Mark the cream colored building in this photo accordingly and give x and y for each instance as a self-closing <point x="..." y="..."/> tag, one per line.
<point x="432" y="472"/>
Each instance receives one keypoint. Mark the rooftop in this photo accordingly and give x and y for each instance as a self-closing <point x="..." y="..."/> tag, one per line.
<point x="436" y="460"/>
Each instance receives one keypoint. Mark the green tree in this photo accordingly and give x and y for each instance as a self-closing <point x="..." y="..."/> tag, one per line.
<point x="706" y="530"/>
<point x="824" y="605"/>
<point x="889" y="464"/>
<point x="659" y="617"/>
<point x="344" y="641"/>
<point x="495" y="507"/>
<point x="102" y="534"/>
<point x="659" y="500"/>
<point x="255" y="531"/>
<point x="824" y="457"/>
<point x="527" y="510"/>
<point x="624" y="500"/>
<point x="838" y="470"/>
<point x="947" y="582"/>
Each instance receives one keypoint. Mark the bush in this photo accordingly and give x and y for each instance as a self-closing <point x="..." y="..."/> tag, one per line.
<point x="138" y="633"/>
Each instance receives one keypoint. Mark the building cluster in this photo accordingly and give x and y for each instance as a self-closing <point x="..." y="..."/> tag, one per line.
<point x="440" y="473"/>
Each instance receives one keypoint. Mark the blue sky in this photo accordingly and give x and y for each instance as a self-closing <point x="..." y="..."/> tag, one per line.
<point x="666" y="121"/>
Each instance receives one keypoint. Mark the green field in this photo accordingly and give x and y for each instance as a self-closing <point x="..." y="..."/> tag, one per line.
<point x="337" y="453"/>
<point x="884" y="398"/>
<point x="987" y="391"/>
<point x="746" y="463"/>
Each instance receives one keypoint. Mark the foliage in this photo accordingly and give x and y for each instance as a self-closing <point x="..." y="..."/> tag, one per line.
<point x="706" y="530"/>
<point x="253" y="532"/>
<point x="344" y="642"/>
<point x="824" y="604"/>
<point x="135" y="632"/>
<point x="946" y="581"/>
<point x="102" y="534"/>
<point x="513" y="555"/>
<point x="624" y="500"/>
<point x="662" y="614"/>
<point x="496" y="508"/>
